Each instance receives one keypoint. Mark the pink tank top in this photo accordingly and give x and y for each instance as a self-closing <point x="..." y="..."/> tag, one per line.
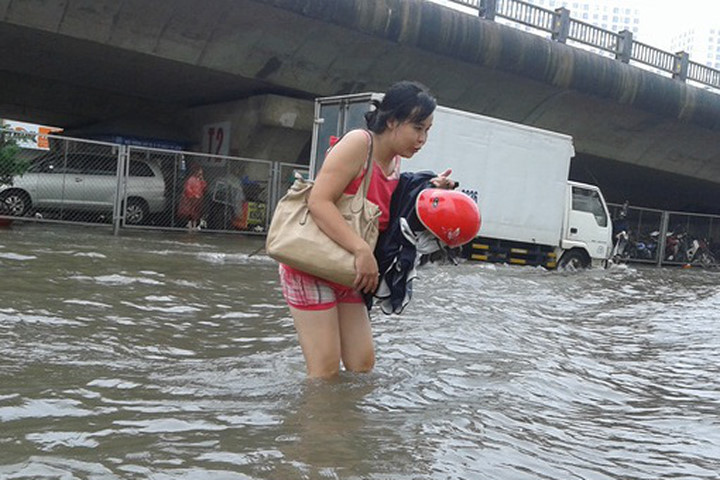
<point x="380" y="189"/>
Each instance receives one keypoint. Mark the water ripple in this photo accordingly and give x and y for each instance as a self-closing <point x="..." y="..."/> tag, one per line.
<point x="171" y="357"/>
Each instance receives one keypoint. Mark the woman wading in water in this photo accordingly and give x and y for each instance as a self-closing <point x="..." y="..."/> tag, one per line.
<point x="332" y="320"/>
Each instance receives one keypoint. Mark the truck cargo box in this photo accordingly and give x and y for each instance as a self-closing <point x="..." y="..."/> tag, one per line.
<point x="518" y="174"/>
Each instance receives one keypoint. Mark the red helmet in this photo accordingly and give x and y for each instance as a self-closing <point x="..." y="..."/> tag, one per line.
<point x="451" y="216"/>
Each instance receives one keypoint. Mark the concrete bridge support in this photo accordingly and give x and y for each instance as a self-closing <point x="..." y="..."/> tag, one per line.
<point x="265" y="126"/>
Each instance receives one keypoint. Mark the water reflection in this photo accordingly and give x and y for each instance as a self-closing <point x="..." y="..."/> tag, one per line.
<point x="172" y="356"/>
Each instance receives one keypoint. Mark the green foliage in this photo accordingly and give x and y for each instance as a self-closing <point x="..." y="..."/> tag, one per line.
<point x="11" y="163"/>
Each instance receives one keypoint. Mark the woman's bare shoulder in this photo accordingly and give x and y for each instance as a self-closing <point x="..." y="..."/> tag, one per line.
<point x="358" y="136"/>
<point x="353" y="145"/>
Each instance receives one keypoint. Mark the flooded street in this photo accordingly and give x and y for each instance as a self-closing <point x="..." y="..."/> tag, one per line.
<point x="173" y="356"/>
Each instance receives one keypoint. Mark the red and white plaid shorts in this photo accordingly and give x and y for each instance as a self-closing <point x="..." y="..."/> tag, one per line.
<point x="308" y="292"/>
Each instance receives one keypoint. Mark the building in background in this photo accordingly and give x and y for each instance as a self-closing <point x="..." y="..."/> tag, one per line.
<point x="689" y="27"/>
<point x="613" y="15"/>
<point x="701" y="41"/>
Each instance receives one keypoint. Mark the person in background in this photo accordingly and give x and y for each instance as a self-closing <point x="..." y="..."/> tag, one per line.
<point x="191" y="202"/>
<point x="332" y="320"/>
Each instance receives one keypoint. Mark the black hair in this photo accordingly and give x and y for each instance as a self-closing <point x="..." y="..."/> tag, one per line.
<point x="405" y="102"/>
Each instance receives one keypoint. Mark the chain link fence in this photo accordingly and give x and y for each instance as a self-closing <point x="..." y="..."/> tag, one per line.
<point x="89" y="182"/>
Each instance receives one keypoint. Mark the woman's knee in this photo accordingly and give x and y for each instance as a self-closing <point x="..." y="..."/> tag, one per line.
<point x="360" y="363"/>
<point x="358" y="351"/>
<point x="323" y="365"/>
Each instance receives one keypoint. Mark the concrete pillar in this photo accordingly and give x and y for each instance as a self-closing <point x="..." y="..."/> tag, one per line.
<point x="487" y="9"/>
<point x="680" y="67"/>
<point x="561" y="25"/>
<point x="268" y="127"/>
<point x="623" y="50"/>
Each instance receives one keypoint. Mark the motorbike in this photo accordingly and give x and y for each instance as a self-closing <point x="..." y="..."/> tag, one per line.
<point x="621" y="249"/>
<point x="646" y="249"/>
<point x="699" y="253"/>
<point x="621" y="237"/>
<point x="676" y="247"/>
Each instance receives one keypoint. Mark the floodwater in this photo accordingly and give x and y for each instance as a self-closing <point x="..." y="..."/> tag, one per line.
<point x="172" y="356"/>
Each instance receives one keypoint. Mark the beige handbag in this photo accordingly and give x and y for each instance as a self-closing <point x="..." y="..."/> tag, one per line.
<point x="295" y="240"/>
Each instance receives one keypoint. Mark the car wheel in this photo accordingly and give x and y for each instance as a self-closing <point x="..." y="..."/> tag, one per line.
<point x="15" y="203"/>
<point x="136" y="211"/>
<point x="573" y="260"/>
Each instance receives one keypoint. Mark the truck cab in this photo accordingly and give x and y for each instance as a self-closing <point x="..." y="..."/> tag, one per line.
<point x="587" y="231"/>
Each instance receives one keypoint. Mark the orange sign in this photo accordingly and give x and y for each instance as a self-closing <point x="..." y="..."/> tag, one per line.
<point x="37" y="137"/>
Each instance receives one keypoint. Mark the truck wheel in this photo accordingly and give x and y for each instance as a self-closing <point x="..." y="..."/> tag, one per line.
<point x="573" y="260"/>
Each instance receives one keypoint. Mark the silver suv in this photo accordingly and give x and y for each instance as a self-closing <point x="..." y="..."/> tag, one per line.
<point x="85" y="182"/>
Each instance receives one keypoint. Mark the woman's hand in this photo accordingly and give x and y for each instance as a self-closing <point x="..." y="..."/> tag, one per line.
<point x="444" y="181"/>
<point x="366" y="270"/>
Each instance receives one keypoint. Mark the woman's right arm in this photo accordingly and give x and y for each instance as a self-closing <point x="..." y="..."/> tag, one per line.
<point x="343" y="163"/>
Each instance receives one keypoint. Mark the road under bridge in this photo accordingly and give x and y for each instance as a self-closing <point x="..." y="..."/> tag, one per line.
<point x="165" y="68"/>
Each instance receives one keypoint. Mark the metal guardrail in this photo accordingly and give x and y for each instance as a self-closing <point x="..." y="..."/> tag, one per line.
<point x="562" y="27"/>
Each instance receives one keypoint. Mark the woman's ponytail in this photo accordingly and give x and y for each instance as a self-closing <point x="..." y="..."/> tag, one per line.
<point x="371" y="117"/>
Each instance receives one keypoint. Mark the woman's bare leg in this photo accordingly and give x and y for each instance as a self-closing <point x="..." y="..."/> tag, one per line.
<point x="319" y="335"/>
<point x="356" y="342"/>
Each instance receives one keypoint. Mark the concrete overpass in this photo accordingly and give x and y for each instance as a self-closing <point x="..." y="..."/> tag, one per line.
<point x="164" y="68"/>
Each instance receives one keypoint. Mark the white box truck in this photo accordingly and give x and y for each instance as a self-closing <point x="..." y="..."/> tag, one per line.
<point x="531" y="213"/>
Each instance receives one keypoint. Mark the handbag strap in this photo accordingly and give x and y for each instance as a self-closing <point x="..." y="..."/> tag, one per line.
<point x="367" y="176"/>
<point x="365" y="185"/>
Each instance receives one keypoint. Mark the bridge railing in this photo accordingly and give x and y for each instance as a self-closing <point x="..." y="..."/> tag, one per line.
<point x="562" y="27"/>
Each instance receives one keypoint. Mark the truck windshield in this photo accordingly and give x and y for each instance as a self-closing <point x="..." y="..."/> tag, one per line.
<point x="589" y="201"/>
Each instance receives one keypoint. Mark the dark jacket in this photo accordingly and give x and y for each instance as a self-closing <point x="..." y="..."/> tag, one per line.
<point x="396" y="253"/>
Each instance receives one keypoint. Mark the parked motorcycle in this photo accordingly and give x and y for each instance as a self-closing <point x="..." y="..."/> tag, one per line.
<point x="621" y="249"/>
<point x="676" y="247"/>
<point x="645" y="249"/>
<point x="621" y="236"/>
<point x="700" y="254"/>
